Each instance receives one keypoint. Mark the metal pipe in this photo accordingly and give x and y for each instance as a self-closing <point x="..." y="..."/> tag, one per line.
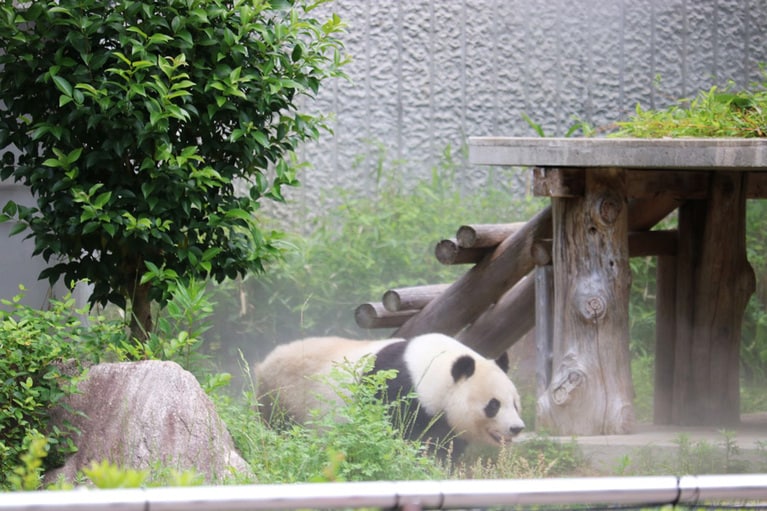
<point x="687" y="490"/>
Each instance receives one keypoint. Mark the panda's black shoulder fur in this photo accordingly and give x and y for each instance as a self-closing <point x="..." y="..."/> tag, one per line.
<point x="393" y="357"/>
<point x="419" y="424"/>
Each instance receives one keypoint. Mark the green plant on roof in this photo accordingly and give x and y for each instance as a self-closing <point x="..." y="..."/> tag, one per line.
<point x="716" y="112"/>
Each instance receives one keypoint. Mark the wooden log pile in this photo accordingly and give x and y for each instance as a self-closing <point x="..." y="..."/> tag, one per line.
<point x="493" y="305"/>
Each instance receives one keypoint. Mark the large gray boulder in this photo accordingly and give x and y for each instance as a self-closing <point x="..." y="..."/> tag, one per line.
<point x="147" y="414"/>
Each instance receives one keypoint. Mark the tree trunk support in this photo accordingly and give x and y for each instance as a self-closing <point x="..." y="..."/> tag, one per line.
<point x="714" y="282"/>
<point x="590" y="392"/>
<point x="665" y="337"/>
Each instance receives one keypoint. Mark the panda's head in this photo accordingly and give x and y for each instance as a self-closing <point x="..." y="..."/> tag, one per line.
<point x="483" y="404"/>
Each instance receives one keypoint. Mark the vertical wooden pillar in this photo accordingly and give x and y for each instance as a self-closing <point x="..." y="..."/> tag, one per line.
<point x="714" y="283"/>
<point x="591" y="390"/>
<point x="665" y="337"/>
<point x="544" y="312"/>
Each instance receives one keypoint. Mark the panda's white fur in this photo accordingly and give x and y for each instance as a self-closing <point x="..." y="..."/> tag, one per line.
<point x="474" y="396"/>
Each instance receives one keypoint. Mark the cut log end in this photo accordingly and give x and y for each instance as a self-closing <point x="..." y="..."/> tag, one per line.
<point x="449" y="252"/>
<point x="411" y="298"/>
<point x="485" y="235"/>
<point x="375" y="315"/>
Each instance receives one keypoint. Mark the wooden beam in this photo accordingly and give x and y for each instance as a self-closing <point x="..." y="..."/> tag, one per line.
<point x="756" y="185"/>
<point x="485" y="235"/>
<point x="558" y="182"/>
<point x="642" y="183"/>
<point x="503" y="323"/>
<point x="685" y="184"/>
<point x="641" y="244"/>
<point x="448" y="252"/>
<point x="409" y="298"/>
<point x="682" y="184"/>
<point x="375" y="315"/>
<point x="644" y="214"/>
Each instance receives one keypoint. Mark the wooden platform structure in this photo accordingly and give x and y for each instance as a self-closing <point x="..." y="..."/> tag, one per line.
<point x="566" y="272"/>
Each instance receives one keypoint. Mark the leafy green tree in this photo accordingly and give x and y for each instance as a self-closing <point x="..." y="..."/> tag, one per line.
<point x="132" y="121"/>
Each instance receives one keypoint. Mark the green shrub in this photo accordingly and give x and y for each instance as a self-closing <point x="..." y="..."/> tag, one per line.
<point x="26" y="476"/>
<point x="35" y="347"/>
<point x="131" y="121"/>
<point x="105" y="475"/>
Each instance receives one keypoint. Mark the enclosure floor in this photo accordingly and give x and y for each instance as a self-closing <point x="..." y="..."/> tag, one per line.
<point x="607" y="453"/>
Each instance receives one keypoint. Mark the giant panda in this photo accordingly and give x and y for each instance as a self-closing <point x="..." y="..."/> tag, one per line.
<point x="458" y="395"/>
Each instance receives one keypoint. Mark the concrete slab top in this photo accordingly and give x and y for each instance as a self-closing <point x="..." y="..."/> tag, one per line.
<point x="731" y="154"/>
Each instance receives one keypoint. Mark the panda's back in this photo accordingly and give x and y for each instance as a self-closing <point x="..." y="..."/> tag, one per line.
<point x="292" y="373"/>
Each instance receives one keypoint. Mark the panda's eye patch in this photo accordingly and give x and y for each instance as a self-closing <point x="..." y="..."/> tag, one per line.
<point x="492" y="407"/>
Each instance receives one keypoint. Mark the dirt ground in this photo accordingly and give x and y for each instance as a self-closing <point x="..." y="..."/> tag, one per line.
<point x="615" y="453"/>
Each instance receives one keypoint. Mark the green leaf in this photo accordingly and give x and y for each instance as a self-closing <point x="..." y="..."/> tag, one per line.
<point x="90" y="227"/>
<point x="261" y="138"/>
<point x="110" y="229"/>
<point x="16" y="229"/>
<point x="210" y="253"/>
<point x="240" y="214"/>
<point x="102" y="199"/>
<point x="159" y="38"/>
<point x="63" y="85"/>
<point x="90" y="89"/>
<point x="10" y="208"/>
<point x="74" y="155"/>
<point x="122" y="57"/>
<point x="138" y="31"/>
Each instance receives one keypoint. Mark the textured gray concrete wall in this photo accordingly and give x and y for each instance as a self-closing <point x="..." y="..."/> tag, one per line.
<point x="428" y="73"/>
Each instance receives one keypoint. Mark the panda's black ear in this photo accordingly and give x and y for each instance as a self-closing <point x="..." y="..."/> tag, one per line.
<point x="503" y="362"/>
<point x="463" y="367"/>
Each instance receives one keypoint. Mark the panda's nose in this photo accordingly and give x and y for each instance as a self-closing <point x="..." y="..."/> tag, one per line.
<point x="515" y="430"/>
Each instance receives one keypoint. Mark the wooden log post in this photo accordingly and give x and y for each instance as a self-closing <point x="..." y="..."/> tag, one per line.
<point x="544" y="336"/>
<point x="591" y="390"/>
<point x="665" y="337"/>
<point x="714" y="283"/>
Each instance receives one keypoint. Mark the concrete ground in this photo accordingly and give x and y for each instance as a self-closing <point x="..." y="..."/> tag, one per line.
<point x="654" y="446"/>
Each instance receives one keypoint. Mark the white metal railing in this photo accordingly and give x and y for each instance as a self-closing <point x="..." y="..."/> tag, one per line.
<point x="412" y="495"/>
